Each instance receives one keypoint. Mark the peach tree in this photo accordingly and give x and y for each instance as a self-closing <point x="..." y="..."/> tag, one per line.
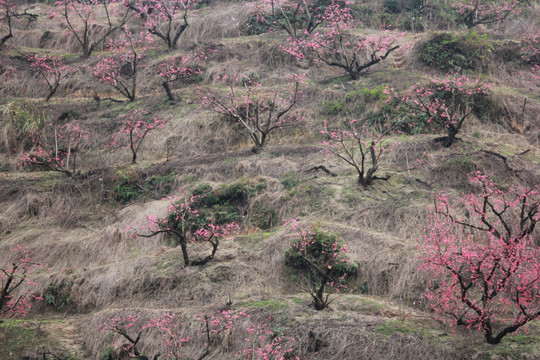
<point x="484" y="267"/>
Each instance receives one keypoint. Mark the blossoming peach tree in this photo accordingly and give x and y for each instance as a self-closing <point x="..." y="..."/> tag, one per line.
<point x="121" y="68"/>
<point x="56" y="148"/>
<point x="13" y="277"/>
<point x="323" y="257"/>
<point x="477" y="12"/>
<point x="179" y="339"/>
<point x="52" y="70"/>
<point x="336" y="44"/>
<point x="358" y="145"/>
<point x="446" y="102"/>
<point x="166" y="19"/>
<point x="298" y="18"/>
<point x="181" y="68"/>
<point x="484" y="266"/>
<point x="185" y="225"/>
<point x="82" y="16"/>
<point x="134" y="129"/>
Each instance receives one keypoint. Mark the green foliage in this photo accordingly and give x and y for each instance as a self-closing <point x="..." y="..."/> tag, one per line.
<point x="290" y="180"/>
<point x="125" y="189"/>
<point x="451" y="52"/>
<point x="264" y="217"/>
<point x="355" y="102"/>
<point x="131" y="186"/>
<point x="393" y="6"/>
<point x="459" y="165"/>
<point x="391" y="112"/>
<point x="321" y="251"/>
<point x="331" y="108"/>
<point x="109" y="354"/>
<point x="253" y="26"/>
<point x="17" y="337"/>
<point x="57" y="295"/>
<point x="225" y="204"/>
<point x="265" y="304"/>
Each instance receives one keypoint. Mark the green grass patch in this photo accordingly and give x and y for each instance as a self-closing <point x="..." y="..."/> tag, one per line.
<point x="265" y="304"/>
<point x="18" y="337"/>
<point x="391" y="327"/>
<point x="252" y="240"/>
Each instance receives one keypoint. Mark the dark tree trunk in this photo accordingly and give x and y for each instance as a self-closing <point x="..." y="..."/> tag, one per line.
<point x="165" y="85"/>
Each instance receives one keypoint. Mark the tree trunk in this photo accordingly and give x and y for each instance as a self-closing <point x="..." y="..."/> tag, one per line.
<point x="165" y="85"/>
<point x="183" y="246"/>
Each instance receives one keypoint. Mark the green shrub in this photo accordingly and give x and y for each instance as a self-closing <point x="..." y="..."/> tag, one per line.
<point x="321" y="251"/>
<point x="57" y="295"/>
<point x="451" y="52"/>
<point x="125" y="189"/>
<point x="331" y="108"/>
<point x="290" y="180"/>
<point x="131" y="186"/>
<point x="227" y="202"/>
<point x="393" y="6"/>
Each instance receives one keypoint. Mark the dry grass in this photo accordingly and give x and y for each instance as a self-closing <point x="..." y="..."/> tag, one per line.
<point x="71" y="227"/>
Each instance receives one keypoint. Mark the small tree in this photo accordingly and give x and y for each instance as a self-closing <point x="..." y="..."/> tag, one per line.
<point x="56" y="148"/>
<point x="323" y="256"/>
<point x="359" y="146"/>
<point x="130" y="329"/>
<point x="446" y="102"/>
<point x="134" y="130"/>
<point x="9" y="14"/>
<point x="183" y="222"/>
<point x="13" y="275"/>
<point x="337" y="46"/>
<point x="121" y="68"/>
<point x="6" y="27"/>
<point x="52" y="69"/>
<point x="484" y="268"/>
<point x="180" y="68"/>
<point x="259" y="111"/>
<point x="84" y="18"/>
<point x="481" y="12"/>
<point x="166" y="19"/>
<point x="300" y="18"/>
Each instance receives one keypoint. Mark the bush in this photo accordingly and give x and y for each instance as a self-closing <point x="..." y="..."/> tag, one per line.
<point x="228" y="202"/>
<point x="57" y="295"/>
<point x="451" y="52"/>
<point x="322" y="250"/>
<point x="131" y="186"/>
<point x="393" y="6"/>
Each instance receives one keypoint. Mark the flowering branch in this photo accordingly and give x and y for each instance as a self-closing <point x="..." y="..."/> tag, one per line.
<point x="13" y="276"/>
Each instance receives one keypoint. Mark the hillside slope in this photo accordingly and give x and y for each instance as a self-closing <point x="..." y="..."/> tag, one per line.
<point x="83" y="227"/>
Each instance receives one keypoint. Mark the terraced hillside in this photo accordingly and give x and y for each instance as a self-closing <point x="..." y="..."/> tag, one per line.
<point x="111" y="235"/>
